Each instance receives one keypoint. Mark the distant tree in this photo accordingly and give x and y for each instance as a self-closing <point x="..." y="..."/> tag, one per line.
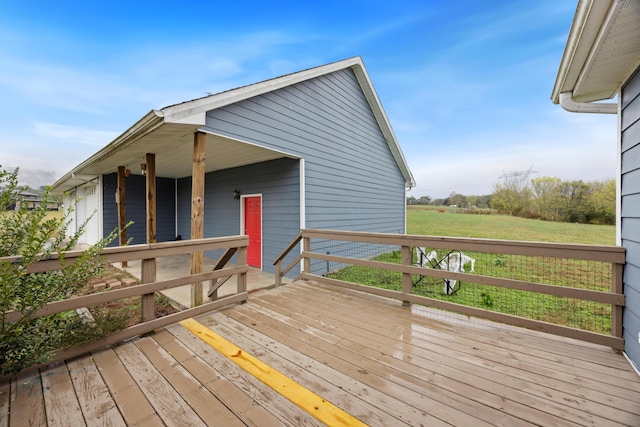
<point x="512" y="194"/>
<point x="573" y="197"/>
<point x="457" y="200"/>
<point x="424" y="200"/>
<point x="545" y="193"/>
<point x="472" y="201"/>
<point x="601" y="202"/>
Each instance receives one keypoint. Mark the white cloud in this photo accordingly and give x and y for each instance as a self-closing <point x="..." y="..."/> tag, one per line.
<point x="567" y="147"/>
<point x="74" y="134"/>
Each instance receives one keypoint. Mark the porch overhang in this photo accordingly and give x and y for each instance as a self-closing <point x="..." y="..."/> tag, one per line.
<point x="601" y="52"/>
<point x="172" y="143"/>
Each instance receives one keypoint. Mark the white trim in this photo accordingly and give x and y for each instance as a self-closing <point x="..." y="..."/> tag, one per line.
<point x="619" y="172"/>
<point x="242" y="223"/>
<point x="283" y="153"/>
<point x="405" y="211"/>
<point x="100" y="213"/>
<point x="303" y="204"/>
<point x="633" y="365"/>
<point x="175" y="205"/>
<point x="303" y="195"/>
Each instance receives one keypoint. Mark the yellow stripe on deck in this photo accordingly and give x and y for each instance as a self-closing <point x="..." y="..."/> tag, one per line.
<point x="315" y="405"/>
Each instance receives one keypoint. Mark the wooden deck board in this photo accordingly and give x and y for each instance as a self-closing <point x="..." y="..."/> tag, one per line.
<point x="132" y="403"/>
<point x="97" y="405"/>
<point x="27" y="401"/>
<point x="286" y="412"/>
<point x="354" y="396"/>
<point x="63" y="408"/>
<point x="434" y="368"/>
<point x="199" y="398"/>
<point x="381" y="362"/>
<point x="5" y="395"/>
<point x="482" y="350"/>
<point x="364" y="328"/>
<point x="171" y="407"/>
<point x="235" y="399"/>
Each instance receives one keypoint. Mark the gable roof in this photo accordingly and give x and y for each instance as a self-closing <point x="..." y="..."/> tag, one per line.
<point x="160" y="129"/>
<point x="602" y="50"/>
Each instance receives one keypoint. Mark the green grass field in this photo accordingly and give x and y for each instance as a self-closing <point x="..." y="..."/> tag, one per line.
<point x="429" y="221"/>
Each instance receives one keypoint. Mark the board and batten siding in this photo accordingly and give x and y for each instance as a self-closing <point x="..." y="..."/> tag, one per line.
<point x="630" y="212"/>
<point x="352" y="180"/>
<point x="136" y="209"/>
<point x="277" y="181"/>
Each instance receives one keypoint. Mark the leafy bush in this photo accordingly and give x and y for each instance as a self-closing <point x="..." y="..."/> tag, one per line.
<point x="28" y="235"/>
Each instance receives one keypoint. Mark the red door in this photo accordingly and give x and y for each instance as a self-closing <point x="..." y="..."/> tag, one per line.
<point x="253" y="229"/>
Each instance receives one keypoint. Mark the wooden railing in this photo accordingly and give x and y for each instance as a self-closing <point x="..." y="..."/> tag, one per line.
<point x="407" y="268"/>
<point x="148" y="253"/>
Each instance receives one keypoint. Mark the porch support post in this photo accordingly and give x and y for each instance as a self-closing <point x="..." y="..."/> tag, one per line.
<point x="121" y="201"/>
<point x="197" y="211"/>
<point x="151" y="197"/>
<point x="149" y="265"/>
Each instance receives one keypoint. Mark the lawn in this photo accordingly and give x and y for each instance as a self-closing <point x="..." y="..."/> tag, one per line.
<point x="429" y="221"/>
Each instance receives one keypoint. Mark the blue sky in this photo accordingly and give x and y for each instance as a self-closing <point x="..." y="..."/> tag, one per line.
<point x="466" y="85"/>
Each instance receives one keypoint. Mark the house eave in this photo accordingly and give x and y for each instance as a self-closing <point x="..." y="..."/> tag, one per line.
<point x="601" y="50"/>
<point x="142" y="127"/>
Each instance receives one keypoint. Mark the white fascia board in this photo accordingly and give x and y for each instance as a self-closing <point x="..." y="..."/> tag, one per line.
<point x="193" y="109"/>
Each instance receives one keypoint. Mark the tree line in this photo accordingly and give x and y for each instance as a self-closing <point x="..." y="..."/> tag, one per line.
<point x="548" y="198"/>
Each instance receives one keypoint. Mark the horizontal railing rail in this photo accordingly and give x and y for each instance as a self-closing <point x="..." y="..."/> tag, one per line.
<point x="147" y="253"/>
<point x="316" y="244"/>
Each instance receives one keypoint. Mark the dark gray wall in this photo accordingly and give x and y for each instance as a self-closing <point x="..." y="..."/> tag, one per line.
<point x="279" y="184"/>
<point x="136" y="209"/>
<point x="630" y="213"/>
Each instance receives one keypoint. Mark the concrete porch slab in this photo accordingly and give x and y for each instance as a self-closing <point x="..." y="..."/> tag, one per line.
<point x="179" y="266"/>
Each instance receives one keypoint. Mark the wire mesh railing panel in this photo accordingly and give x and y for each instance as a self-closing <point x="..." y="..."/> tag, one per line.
<point x="573" y="312"/>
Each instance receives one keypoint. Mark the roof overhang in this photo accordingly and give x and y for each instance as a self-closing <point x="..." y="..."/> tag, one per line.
<point x="602" y="50"/>
<point x="169" y="133"/>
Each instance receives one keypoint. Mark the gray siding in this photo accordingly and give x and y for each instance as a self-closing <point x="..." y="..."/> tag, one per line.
<point x="352" y="179"/>
<point x="630" y="213"/>
<point x="279" y="184"/>
<point x="136" y="208"/>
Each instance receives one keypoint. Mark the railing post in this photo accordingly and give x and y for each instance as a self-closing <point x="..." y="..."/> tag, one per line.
<point x="406" y="277"/>
<point x="278" y="273"/>
<point x="306" y="261"/>
<point x="148" y="275"/>
<point x="242" y="277"/>
<point x="212" y="285"/>
<point x="616" y="310"/>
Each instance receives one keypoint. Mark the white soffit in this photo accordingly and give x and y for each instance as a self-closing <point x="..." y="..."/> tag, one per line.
<point x="602" y="51"/>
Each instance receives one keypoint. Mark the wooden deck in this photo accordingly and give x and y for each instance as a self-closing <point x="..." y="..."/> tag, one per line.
<point x="382" y="363"/>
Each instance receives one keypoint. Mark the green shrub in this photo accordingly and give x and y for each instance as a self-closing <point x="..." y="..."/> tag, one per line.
<point x="30" y="235"/>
